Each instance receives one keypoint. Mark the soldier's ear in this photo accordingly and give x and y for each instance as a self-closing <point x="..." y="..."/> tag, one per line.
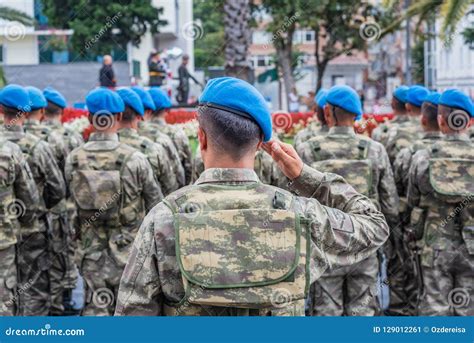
<point x="202" y="138"/>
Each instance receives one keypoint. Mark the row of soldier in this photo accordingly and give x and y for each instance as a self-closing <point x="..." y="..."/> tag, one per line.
<point x="106" y="187"/>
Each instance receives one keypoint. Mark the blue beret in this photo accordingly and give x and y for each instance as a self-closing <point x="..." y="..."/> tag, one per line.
<point x="401" y="93"/>
<point x="131" y="99"/>
<point x="52" y="95"/>
<point x="346" y="98"/>
<point x="321" y="97"/>
<point x="105" y="101"/>
<point x="160" y="98"/>
<point x="433" y="98"/>
<point x="241" y="98"/>
<point x="37" y="99"/>
<point x="15" y="96"/>
<point x="416" y="95"/>
<point x="145" y="97"/>
<point x="456" y="99"/>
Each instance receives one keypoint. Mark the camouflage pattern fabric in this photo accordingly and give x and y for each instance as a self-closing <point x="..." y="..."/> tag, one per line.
<point x="380" y="133"/>
<point x="314" y="128"/>
<point x="34" y="255"/>
<point x="152" y="132"/>
<point x="330" y="152"/>
<point x="345" y="228"/>
<point x="156" y="155"/>
<point x="113" y="187"/>
<point x="181" y="142"/>
<point x="402" y="136"/>
<point x="446" y="239"/>
<point x="18" y="201"/>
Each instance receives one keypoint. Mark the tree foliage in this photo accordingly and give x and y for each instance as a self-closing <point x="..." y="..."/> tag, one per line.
<point x="101" y="25"/>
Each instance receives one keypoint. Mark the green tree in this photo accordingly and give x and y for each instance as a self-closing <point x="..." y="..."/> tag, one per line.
<point x="99" y="25"/>
<point x="209" y="45"/>
<point x="340" y="27"/>
<point x="10" y="14"/>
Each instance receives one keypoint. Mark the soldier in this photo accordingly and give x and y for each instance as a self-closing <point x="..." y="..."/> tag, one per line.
<point x="235" y="247"/>
<point x="440" y="193"/>
<point x="315" y="127"/>
<point x="155" y="153"/>
<point x="34" y="255"/>
<point x="404" y="134"/>
<point x="18" y="205"/>
<point x="364" y="164"/>
<point x="113" y="187"/>
<point x="399" y="98"/>
<point x="153" y="133"/>
<point x="177" y="135"/>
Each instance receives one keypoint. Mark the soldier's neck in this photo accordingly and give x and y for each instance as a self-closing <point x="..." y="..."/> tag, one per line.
<point x="219" y="161"/>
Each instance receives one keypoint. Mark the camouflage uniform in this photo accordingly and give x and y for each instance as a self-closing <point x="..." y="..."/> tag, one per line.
<point x="18" y="201"/>
<point x="352" y="290"/>
<point x="152" y="283"/>
<point x="152" y="132"/>
<point x="63" y="218"/>
<point x="113" y="187"/>
<point x="34" y="249"/>
<point x="440" y="191"/>
<point x="156" y="155"/>
<point x="380" y="133"/>
<point x="402" y="136"/>
<point x="314" y="128"/>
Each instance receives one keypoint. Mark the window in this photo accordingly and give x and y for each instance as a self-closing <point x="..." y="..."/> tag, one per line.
<point x="1" y="53"/>
<point x="261" y="61"/>
<point x="309" y="36"/>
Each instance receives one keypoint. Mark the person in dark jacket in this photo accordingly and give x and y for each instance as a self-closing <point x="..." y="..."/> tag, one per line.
<point x="106" y="74"/>
<point x="184" y="76"/>
<point x="156" y="70"/>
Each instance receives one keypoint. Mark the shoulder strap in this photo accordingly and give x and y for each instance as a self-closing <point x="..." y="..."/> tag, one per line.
<point x="363" y="147"/>
<point x="315" y="149"/>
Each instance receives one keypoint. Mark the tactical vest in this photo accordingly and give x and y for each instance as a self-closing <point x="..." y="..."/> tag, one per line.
<point x="144" y="145"/>
<point x="346" y="159"/>
<point x="405" y="136"/>
<point x="240" y="248"/>
<point x="449" y="211"/>
<point x="8" y="207"/>
<point x="97" y="190"/>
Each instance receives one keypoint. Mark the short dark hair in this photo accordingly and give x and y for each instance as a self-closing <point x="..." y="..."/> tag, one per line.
<point x="341" y="114"/>
<point x="158" y="113"/>
<point x="430" y="112"/>
<point x="398" y="105"/>
<point x="229" y="133"/>
<point x="11" y="112"/>
<point x="52" y="109"/>
<point x="320" y="115"/>
<point x="129" y="114"/>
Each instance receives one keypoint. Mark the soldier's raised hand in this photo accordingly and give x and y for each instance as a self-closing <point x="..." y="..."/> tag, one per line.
<point x="285" y="157"/>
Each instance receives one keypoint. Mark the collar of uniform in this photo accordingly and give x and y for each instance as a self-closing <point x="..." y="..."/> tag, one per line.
<point x="432" y="135"/>
<point x="32" y="122"/>
<point x="158" y="120"/>
<point x="52" y="122"/>
<point x="457" y="137"/>
<point x="102" y="136"/>
<point x="13" y="128"/>
<point x="400" y="119"/>
<point x="227" y="175"/>
<point x="341" y="130"/>
<point x="128" y="131"/>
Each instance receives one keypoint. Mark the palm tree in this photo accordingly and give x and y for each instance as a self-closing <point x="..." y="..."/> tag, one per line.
<point x="10" y="14"/>
<point x="450" y="11"/>
<point x="237" y="38"/>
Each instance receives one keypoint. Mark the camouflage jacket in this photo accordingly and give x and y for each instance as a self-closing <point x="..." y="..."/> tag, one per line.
<point x="380" y="133"/>
<point x="19" y="195"/>
<point x="154" y="133"/>
<point x="46" y="173"/>
<point x="338" y="144"/>
<point x="139" y="191"/>
<point x="156" y="155"/>
<point x="71" y="139"/>
<point x="402" y="136"/>
<point x="401" y="166"/>
<point x="345" y="228"/>
<point x="443" y="219"/>
<point x="314" y="128"/>
<point x="180" y="140"/>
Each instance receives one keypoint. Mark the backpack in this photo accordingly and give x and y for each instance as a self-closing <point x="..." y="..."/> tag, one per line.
<point x="246" y="249"/>
<point x="404" y="137"/>
<point x="350" y="162"/>
<point x="8" y="206"/>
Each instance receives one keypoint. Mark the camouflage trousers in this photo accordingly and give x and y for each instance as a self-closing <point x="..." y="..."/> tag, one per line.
<point x="349" y="291"/>
<point x="448" y="276"/>
<point x="101" y="282"/>
<point x="63" y="272"/>
<point x="8" y="281"/>
<point x="34" y="262"/>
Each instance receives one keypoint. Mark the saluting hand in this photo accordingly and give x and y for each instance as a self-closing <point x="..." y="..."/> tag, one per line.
<point x="285" y="157"/>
